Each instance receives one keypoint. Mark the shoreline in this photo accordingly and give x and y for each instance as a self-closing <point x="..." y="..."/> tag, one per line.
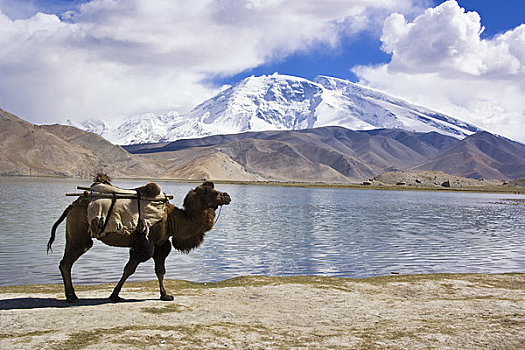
<point x="256" y="280"/>
<point x="387" y="187"/>
<point x="441" y="311"/>
<point x="382" y="187"/>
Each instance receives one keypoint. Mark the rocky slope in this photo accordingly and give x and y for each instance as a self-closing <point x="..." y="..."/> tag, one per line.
<point x="428" y="178"/>
<point x="481" y="155"/>
<point x="58" y="150"/>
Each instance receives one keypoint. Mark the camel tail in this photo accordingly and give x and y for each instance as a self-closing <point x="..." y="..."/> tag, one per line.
<point x="55" y="226"/>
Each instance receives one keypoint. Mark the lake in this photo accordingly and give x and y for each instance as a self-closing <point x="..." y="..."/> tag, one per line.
<point x="281" y="231"/>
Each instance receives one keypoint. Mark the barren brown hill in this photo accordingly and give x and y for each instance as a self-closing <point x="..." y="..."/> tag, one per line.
<point x="327" y="154"/>
<point x="481" y="156"/>
<point x="253" y="160"/>
<point x="113" y="157"/>
<point x="211" y="165"/>
<point x="336" y="154"/>
<point x="519" y="182"/>
<point x="56" y="150"/>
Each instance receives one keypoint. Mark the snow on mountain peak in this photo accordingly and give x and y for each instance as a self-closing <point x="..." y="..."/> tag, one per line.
<point x="144" y="128"/>
<point x="274" y="102"/>
<point x="283" y="102"/>
<point x="96" y="126"/>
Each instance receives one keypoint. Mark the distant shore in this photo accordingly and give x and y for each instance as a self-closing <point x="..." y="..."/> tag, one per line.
<point x="490" y="188"/>
<point x="386" y="187"/>
<point x="441" y="311"/>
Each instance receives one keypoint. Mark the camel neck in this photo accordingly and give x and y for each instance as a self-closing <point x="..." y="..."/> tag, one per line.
<point x="188" y="228"/>
<point x="203" y="219"/>
<point x="192" y="222"/>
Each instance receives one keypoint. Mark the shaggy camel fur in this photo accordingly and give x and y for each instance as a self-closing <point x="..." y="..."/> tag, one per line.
<point x="186" y="227"/>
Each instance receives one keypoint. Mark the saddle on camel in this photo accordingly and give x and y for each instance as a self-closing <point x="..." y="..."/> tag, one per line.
<point x="114" y="209"/>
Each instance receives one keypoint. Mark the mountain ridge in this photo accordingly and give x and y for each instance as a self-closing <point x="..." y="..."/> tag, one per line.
<point x="331" y="154"/>
<point x="344" y="155"/>
<point x="58" y="150"/>
<point x="284" y="102"/>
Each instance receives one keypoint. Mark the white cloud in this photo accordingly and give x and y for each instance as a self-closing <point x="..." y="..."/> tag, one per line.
<point x="115" y="58"/>
<point x="439" y="60"/>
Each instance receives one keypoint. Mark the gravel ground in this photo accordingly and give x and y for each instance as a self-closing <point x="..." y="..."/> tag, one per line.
<point x="442" y="311"/>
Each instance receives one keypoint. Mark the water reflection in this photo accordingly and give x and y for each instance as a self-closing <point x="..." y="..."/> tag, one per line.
<point x="281" y="231"/>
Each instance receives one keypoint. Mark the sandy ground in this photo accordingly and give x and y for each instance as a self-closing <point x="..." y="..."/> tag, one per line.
<point x="443" y="311"/>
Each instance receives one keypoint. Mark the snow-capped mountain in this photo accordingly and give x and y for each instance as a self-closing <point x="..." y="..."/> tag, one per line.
<point x="350" y="105"/>
<point x="275" y="102"/>
<point x="143" y="128"/>
<point x="281" y="102"/>
<point x="96" y="126"/>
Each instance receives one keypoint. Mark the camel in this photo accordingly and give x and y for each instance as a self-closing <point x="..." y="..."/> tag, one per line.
<point x="186" y="227"/>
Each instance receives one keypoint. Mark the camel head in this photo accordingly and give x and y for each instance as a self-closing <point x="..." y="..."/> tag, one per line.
<point x="206" y="196"/>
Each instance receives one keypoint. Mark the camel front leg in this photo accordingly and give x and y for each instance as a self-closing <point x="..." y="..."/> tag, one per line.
<point x="160" y="254"/>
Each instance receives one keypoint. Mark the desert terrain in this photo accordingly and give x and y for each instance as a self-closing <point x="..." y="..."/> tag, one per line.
<point x="441" y="311"/>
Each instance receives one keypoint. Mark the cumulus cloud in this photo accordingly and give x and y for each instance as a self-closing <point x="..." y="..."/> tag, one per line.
<point x="115" y="58"/>
<point x="440" y="60"/>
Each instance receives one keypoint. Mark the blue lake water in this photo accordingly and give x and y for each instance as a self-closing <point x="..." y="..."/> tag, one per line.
<point x="281" y="231"/>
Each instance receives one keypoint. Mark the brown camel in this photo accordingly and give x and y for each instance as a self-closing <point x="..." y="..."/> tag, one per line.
<point x="186" y="227"/>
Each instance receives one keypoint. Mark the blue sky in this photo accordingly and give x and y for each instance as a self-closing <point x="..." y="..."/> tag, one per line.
<point x="497" y="16"/>
<point x="112" y="59"/>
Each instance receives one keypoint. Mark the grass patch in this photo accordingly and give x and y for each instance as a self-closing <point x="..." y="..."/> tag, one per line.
<point x="52" y="288"/>
<point x="512" y="321"/>
<point x="83" y="339"/>
<point x="31" y="289"/>
<point x="506" y="281"/>
<point x="27" y="334"/>
<point x="189" y="336"/>
<point x="169" y="308"/>
<point x="227" y="334"/>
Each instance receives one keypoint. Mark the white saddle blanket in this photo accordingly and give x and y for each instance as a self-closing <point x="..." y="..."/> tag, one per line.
<point x="124" y="216"/>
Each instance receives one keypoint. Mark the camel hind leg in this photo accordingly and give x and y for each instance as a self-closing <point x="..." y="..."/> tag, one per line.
<point x="78" y="241"/>
<point x="70" y="256"/>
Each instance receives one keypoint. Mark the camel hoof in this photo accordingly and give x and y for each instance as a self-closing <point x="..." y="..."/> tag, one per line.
<point x="71" y="298"/>
<point x="115" y="298"/>
<point x="167" y="297"/>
